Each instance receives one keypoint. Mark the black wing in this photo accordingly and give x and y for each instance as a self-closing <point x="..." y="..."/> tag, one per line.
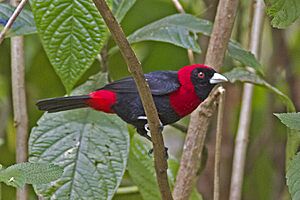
<point x="160" y="83"/>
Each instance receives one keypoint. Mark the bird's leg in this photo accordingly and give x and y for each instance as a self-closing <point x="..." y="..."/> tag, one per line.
<point x="145" y="134"/>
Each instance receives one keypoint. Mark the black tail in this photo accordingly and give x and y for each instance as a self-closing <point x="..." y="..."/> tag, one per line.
<point x="62" y="103"/>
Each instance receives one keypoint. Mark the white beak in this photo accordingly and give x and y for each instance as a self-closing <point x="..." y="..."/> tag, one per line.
<point x="217" y="78"/>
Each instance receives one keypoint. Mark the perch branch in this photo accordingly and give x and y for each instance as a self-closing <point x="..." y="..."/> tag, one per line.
<point x="19" y="96"/>
<point x="218" y="145"/>
<point x="135" y="69"/>
<point x="199" y="122"/>
<point x="12" y="19"/>
<point x="241" y="141"/>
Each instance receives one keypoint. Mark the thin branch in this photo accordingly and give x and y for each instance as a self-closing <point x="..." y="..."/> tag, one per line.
<point x="199" y="122"/>
<point x="241" y="142"/>
<point x="19" y="96"/>
<point x="180" y="9"/>
<point x="135" y="69"/>
<point x="218" y="145"/>
<point x="12" y="19"/>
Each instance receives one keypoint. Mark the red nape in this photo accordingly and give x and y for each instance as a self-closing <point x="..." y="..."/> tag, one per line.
<point x="102" y="100"/>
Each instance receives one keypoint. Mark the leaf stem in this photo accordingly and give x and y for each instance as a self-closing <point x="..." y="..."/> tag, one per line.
<point x="12" y="19"/>
<point x="134" y="67"/>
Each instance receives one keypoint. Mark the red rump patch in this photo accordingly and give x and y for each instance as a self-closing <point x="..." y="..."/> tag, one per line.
<point x="102" y="100"/>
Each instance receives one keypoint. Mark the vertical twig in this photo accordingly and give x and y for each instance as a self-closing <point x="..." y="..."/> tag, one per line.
<point x="241" y="141"/>
<point x="181" y="10"/>
<point x="218" y="144"/>
<point x="135" y="69"/>
<point x="199" y="121"/>
<point x="13" y="18"/>
<point x="18" y="92"/>
<point x="19" y="101"/>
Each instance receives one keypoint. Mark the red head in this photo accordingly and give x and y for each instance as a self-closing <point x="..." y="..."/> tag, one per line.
<point x="201" y="77"/>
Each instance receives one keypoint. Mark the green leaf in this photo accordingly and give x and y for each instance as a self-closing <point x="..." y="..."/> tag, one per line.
<point x="291" y="120"/>
<point x="178" y="29"/>
<point x="243" y="75"/>
<point x="23" y="25"/>
<point x="245" y="57"/>
<point x="283" y="12"/>
<point x="91" y="146"/>
<point x="72" y="33"/>
<point x="32" y="173"/>
<point x="293" y="177"/>
<point x="121" y="7"/>
<point x="142" y="172"/>
<point x="182" y="29"/>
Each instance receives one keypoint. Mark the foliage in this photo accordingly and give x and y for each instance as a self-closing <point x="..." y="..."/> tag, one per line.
<point x="291" y="120"/>
<point x="293" y="176"/>
<point x="283" y="12"/>
<point x="31" y="173"/>
<point x="91" y="146"/>
<point x="72" y="33"/>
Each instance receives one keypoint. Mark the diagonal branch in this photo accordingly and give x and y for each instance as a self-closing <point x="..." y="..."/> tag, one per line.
<point x="12" y="19"/>
<point x="135" y="69"/>
<point x="199" y="122"/>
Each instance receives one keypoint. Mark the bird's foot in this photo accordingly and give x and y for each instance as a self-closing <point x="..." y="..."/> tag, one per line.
<point x="150" y="152"/>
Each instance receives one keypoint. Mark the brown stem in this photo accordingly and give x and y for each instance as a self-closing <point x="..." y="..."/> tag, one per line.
<point x="13" y="18"/>
<point x="135" y="69"/>
<point x="19" y="101"/>
<point x="199" y="121"/>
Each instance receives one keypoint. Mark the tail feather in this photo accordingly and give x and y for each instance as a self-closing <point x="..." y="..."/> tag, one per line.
<point x="62" y="103"/>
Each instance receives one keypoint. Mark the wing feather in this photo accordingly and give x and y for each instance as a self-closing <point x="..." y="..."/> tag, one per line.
<point x="160" y="83"/>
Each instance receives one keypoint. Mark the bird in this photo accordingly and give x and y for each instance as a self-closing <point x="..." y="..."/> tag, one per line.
<point x="175" y="93"/>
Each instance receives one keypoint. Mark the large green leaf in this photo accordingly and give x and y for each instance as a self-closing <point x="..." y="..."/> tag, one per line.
<point x="182" y="29"/>
<point x="291" y="120"/>
<point x="32" y="173"/>
<point x="293" y="177"/>
<point x="178" y="29"/>
<point x="23" y="25"/>
<point x="72" y="33"/>
<point x="142" y="172"/>
<point x="121" y="7"/>
<point x="283" y="12"/>
<point x="91" y="146"/>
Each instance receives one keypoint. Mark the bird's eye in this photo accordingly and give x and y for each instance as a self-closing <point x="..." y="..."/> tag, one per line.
<point x="201" y="75"/>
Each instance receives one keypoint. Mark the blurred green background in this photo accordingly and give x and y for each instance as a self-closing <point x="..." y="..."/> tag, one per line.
<point x="280" y="56"/>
